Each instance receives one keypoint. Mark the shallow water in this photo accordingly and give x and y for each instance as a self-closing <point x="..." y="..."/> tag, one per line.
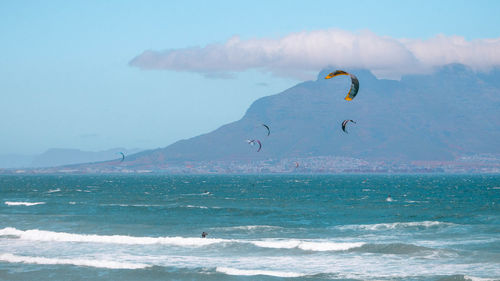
<point x="437" y="227"/>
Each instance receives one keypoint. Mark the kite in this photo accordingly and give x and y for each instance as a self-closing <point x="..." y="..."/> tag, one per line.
<point x="268" y="130"/>
<point x="354" y="83"/>
<point x="345" y="124"/>
<point x="252" y="142"/>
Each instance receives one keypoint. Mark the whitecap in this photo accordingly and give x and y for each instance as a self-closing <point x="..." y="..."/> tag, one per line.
<point x="473" y="278"/>
<point x="306" y="245"/>
<point x="251" y="227"/>
<point x="192" y="206"/>
<point x="54" y="190"/>
<point x="43" y="235"/>
<point x="250" y="272"/>
<point x="386" y="226"/>
<point x="23" y="203"/>
<point x="74" y="261"/>
<point x="197" y="194"/>
<point x="132" y="205"/>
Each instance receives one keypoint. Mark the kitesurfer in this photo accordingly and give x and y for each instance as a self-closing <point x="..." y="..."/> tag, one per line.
<point x="204" y="234"/>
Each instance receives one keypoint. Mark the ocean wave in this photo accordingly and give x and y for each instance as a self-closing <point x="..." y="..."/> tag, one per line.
<point x="197" y="194"/>
<point x="75" y="261"/>
<point x="23" y="203"/>
<point x="249" y="272"/>
<point x="54" y="190"/>
<point x="133" y="205"/>
<point x="158" y="205"/>
<point x="412" y="201"/>
<point x="395" y="225"/>
<point x="43" y="235"/>
<point x="460" y="277"/>
<point x="473" y="278"/>
<point x="249" y="227"/>
<point x="195" y="207"/>
<point x="308" y="245"/>
<point x="393" y="248"/>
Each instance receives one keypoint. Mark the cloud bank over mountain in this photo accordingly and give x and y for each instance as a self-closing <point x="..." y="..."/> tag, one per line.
<point x="300" y="55"/>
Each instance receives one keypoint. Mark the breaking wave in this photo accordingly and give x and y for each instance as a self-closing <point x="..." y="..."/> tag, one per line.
<point x="306" y="245"/>
<point x="248" y="272"/>
<point x="43" y="235"/>
<point x="396" y="225"/>
<point x="393" y="248"/>
<point x="250" y="227"/>
<point x="76" y="261"/>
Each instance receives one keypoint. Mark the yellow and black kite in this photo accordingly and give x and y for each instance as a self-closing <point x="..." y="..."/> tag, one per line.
<point x="354" y="83"/>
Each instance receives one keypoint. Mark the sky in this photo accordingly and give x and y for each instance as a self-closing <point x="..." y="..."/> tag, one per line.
<point x="95" y="75"/>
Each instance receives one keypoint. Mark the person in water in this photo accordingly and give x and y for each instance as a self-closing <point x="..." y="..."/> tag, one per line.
<point x="204" y="234"/>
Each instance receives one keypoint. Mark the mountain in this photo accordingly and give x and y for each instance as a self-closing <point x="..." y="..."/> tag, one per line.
<point x="447" y="121"/>
<point x="440" y="116"/>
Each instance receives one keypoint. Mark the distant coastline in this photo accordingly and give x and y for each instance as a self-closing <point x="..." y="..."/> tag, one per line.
<point x="310" y="165"/>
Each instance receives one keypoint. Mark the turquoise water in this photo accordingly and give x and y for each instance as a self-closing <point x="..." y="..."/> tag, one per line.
<point x="437" y="227"/>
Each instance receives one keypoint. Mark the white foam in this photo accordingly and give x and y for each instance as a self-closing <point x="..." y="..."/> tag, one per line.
<point x="308" y="245"/>
<point x="42" y="235"/>
<point x="249" y="272"/>
<point x="198" y="207"/>
<point x="251" y="227"/>
<point x="132" y="205"/>
<point x="472" y="278"/>
<point x="386" y="226"/>
<point x="75" y="261"/>
<point x="329" y="246"/>
<point x="196" y="194"/>
<point x="23" y="203"/>
<point x="54" y="190"/>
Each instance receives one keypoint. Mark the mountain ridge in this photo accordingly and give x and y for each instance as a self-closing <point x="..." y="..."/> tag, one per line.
<point x="424" y="122"/>
<point x="420" y="117"/>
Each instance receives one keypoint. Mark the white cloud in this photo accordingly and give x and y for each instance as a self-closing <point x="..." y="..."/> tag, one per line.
<point x="301" y="54"/>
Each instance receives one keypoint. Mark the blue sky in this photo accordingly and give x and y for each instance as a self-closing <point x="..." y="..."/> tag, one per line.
<point x="67" y="81"/>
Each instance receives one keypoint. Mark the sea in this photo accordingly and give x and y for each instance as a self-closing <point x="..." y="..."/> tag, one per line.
<point x="259" y="227"/>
